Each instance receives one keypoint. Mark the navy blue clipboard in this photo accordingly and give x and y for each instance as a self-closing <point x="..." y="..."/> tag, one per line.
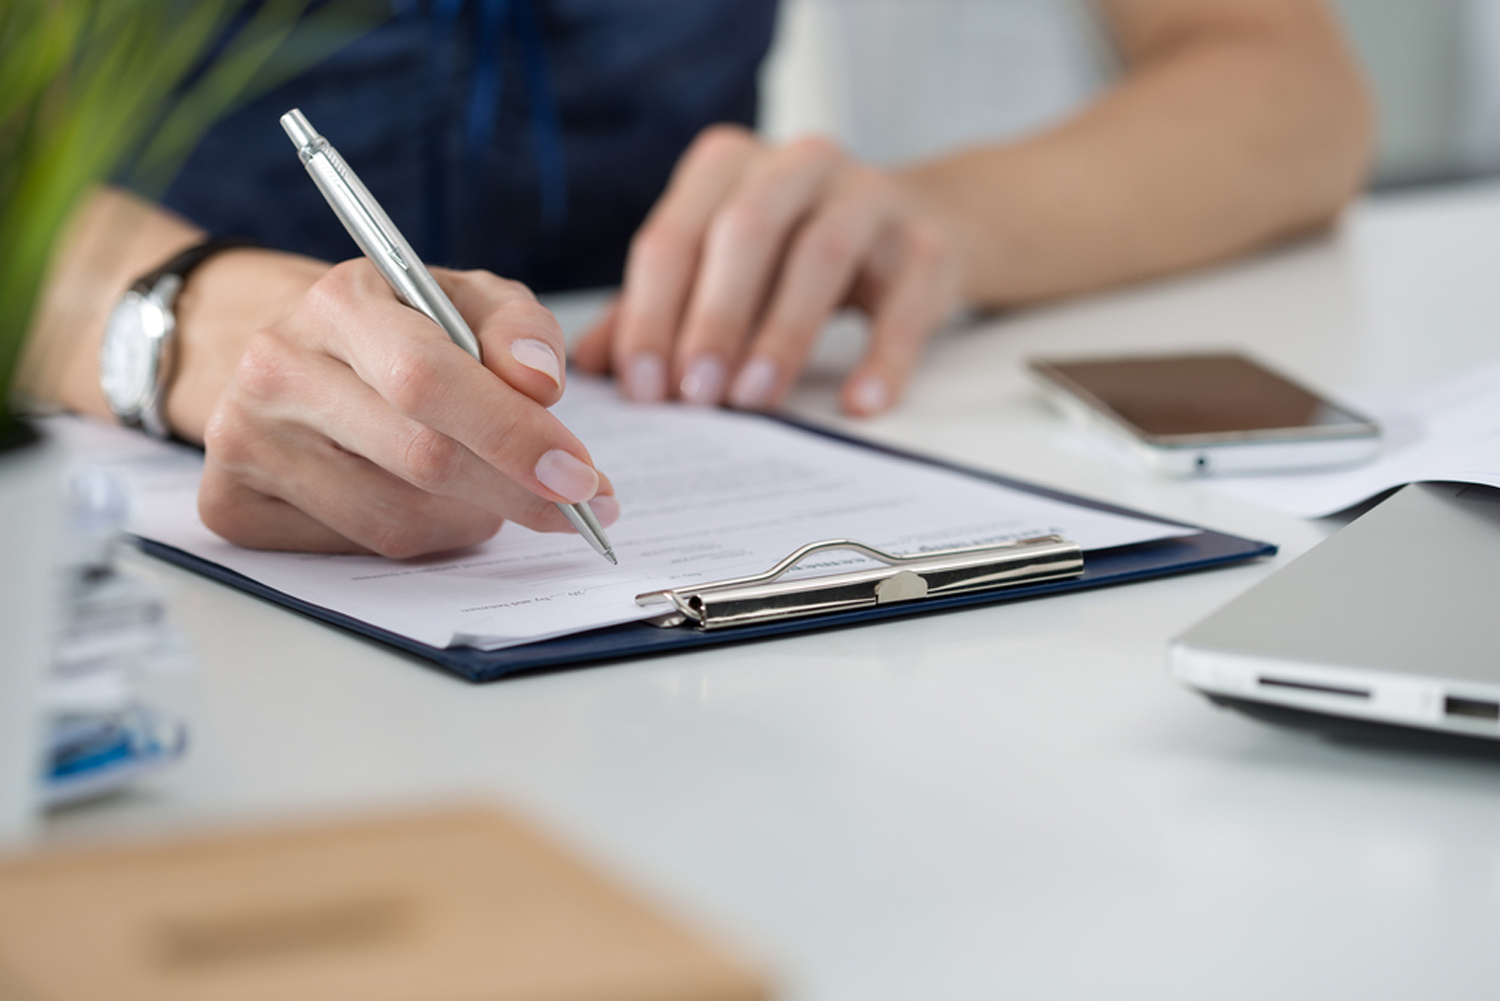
<point x="638" y="639"/>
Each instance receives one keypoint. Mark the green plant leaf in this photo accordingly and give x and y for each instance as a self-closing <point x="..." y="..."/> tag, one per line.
<point x="87" y="84"/>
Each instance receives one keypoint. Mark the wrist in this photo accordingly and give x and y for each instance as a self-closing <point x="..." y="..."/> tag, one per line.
<point x="226" y="300"/>
<point x="935" y="198"/>
<point x="112" y="240"/>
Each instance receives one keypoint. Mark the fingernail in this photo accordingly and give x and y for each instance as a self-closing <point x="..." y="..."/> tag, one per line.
<point x="703" y="382"/>
<point x="754" y="385"/>
<point x="565" y="475"/>
<point x="646" y="378"/>
<point x="606" y="509"/>
<point x="538" y="355"/>
<point x="871" y="395"/>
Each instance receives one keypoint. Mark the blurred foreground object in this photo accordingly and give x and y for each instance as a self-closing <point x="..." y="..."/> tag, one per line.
<point x="459" y="904"/>
<point x="30" y="495"/>
<point x="89" y="90"/>
<point x="112" y="632"/>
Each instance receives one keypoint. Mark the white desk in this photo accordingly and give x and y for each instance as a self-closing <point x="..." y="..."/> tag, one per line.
<point x="1013" y="801"/>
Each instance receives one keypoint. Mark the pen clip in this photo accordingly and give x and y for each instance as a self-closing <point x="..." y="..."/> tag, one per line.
<point x="348" y="200"/>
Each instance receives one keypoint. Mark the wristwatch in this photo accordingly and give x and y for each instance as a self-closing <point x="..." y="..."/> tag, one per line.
<point x="136" y="358"/>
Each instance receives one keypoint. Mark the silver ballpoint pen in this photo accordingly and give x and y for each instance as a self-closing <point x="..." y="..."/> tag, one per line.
<point x="393" y="257"/>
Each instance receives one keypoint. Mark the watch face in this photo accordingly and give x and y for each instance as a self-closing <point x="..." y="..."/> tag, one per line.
<point x="130" y="355"/>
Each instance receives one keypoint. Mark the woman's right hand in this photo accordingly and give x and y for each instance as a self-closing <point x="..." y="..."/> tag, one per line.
<point x="351" y="423"/>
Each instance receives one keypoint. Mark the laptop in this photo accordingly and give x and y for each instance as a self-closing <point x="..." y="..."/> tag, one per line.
<point x="1393" y="621"/>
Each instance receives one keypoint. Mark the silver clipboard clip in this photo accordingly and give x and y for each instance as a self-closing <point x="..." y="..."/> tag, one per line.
<point x="938" y="574"/>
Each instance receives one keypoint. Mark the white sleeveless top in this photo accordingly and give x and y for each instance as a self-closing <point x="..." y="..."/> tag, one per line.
<point x="897" y="80"/>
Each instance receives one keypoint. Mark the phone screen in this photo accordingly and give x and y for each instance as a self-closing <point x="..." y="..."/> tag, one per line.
<point x="1198" y="395"/>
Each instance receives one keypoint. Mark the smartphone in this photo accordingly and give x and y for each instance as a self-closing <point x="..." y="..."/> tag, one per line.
<point x="1209" y="414"/>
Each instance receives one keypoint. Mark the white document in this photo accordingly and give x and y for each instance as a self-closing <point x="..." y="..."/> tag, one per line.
<point x="1446" y="431"/>
<point x="705" y="494"/>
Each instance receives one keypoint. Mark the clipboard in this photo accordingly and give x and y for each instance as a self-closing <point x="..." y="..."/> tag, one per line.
<point x="1098" y="568"/>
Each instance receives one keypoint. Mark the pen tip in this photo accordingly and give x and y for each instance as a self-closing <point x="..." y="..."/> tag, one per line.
<point x="611" y="557"/>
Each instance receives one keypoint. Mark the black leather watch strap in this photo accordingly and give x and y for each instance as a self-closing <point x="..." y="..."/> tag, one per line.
<point x="190" y="258"/>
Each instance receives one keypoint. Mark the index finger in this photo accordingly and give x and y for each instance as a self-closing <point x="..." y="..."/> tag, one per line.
<point x="415" y="368"/>
<point x="663" y="258"/>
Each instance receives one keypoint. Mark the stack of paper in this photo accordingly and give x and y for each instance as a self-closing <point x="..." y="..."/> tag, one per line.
<point x="113" y="633"/>
<point x="706" y="495"/>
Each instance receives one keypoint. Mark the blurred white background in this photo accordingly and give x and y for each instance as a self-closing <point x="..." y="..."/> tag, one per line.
<point x="899" y="79"/>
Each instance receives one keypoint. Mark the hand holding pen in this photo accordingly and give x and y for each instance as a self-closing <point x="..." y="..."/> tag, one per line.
<point x="351" y="424"/>
<point x="414" y="285"/>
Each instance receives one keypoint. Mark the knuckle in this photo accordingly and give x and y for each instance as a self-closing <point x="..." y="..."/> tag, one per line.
<point x="322" y="297"/>
<point x="925" y="244"/>
<point x="321" y="314"/>
<point x="532" y="317"/>
<point x="229" y="437"/>
<point x="720" y="142"/>
<point x="217" y="509"/>
<point x="338" y="292"/>
<point x="415" y="531"/>
<point x="346" y="269"/>
<point x="513" y="308"/>
<point x="431" y="459"/>
<point x="339" y="284"/>
<point x="814" y="149"/>
<point x="661" y="241"/>
<point x="503" y="442"/>
<point x="398" y="538"/>
<point x="265" y="369"/>
<point x="410" y="382"/>
<point x="743" y="224"/>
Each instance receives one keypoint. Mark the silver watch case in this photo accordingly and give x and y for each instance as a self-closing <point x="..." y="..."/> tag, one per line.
<point x="135" y="359"/>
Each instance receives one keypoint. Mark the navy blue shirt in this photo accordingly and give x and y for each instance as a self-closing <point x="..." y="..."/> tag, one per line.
<point x="529" y="137"/>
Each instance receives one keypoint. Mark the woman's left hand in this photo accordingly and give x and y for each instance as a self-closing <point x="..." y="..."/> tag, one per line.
<point x="748" y="254"/>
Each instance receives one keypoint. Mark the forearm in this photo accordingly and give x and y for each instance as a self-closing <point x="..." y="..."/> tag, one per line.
<point x="114" y="239"/>
<point x="1226" y="135"/>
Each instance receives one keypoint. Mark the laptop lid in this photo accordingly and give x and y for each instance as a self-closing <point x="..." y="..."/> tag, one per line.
<point x="1394" y="619"/>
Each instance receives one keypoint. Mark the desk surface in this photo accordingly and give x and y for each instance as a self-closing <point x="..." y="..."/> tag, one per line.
<point x="1012" y="801"/>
